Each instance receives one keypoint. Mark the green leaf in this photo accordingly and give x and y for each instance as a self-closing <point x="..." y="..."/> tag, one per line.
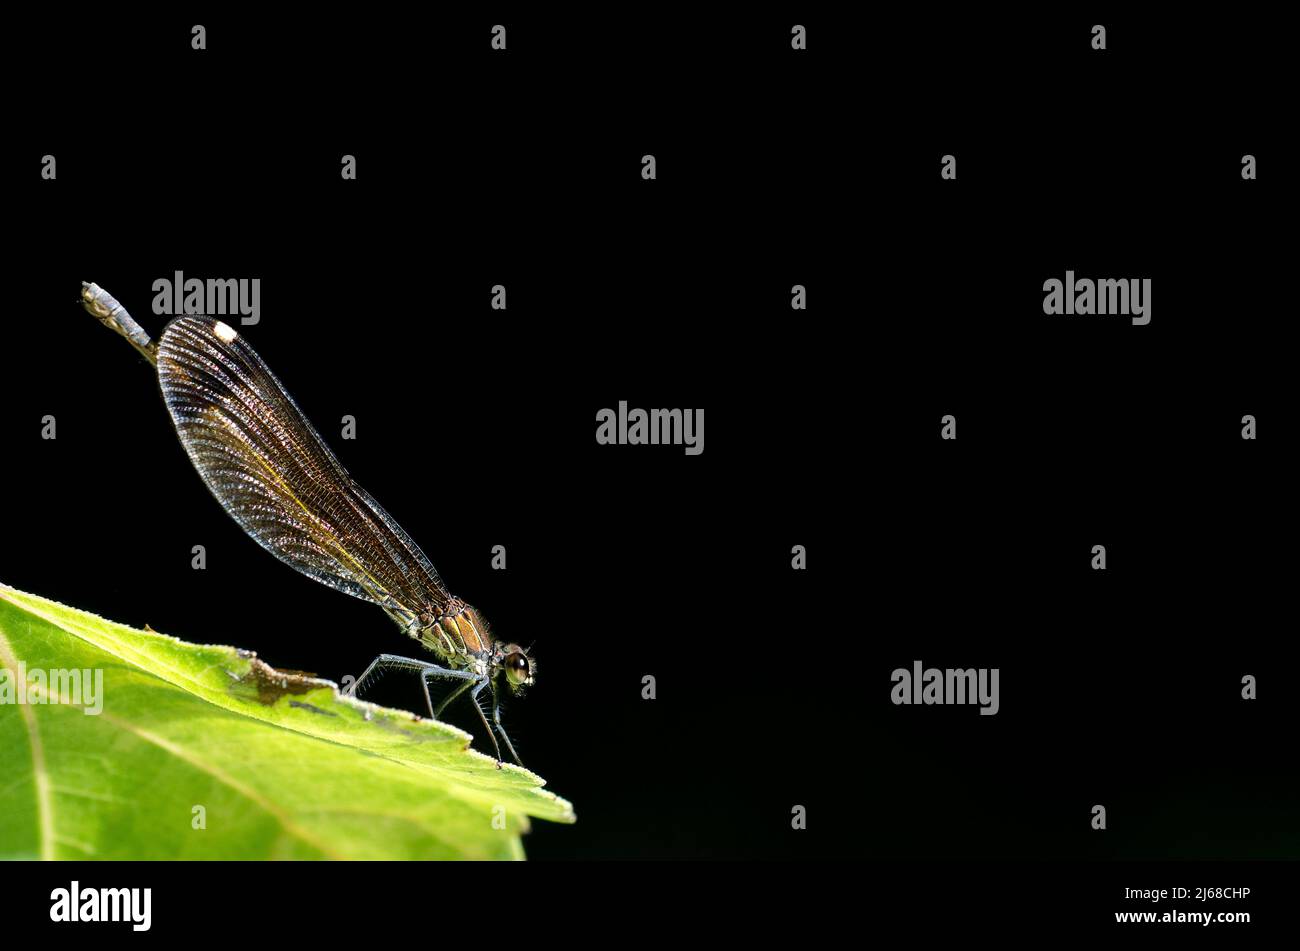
<point x="278" y="765"/>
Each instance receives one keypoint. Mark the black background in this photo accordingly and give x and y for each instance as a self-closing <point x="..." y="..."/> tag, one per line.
<point x="822" y="427"/>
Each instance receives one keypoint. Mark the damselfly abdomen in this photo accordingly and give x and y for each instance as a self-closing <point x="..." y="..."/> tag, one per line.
<point x="274" y="475"/>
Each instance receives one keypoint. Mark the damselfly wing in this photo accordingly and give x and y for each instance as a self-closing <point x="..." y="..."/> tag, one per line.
<point x="273" y="473"/>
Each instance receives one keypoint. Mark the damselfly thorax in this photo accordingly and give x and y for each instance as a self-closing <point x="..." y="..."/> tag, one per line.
<point x="462" y="638"/>
<point x="275" y="476"/>
<point x="457" y="634"/>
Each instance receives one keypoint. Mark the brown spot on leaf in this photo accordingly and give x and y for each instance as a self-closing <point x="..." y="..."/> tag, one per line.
<point x="266" y="685"/>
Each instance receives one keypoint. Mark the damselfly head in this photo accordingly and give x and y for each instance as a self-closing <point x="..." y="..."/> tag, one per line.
<point x="518" y="666"/>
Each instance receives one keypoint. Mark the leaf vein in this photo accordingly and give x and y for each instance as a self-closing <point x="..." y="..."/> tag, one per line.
<point x="44" y="807"/>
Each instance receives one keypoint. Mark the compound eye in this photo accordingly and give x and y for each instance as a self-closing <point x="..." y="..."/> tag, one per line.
<point x="516" y="665"/>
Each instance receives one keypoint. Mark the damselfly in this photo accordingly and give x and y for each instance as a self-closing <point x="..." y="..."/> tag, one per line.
<point x="274" y="475"/>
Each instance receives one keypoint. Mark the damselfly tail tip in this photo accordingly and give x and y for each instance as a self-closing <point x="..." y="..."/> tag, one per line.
<point x="104" y="307"/>
<point x="90" y="295"/>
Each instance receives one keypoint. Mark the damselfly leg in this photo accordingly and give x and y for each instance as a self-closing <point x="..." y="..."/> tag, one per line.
<point x="387" y="662"/>
<point x="425" y="669"/>
<point x="496" y="719"/>
<point x="429" y="671"/>
<point x="477" y="688"/>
